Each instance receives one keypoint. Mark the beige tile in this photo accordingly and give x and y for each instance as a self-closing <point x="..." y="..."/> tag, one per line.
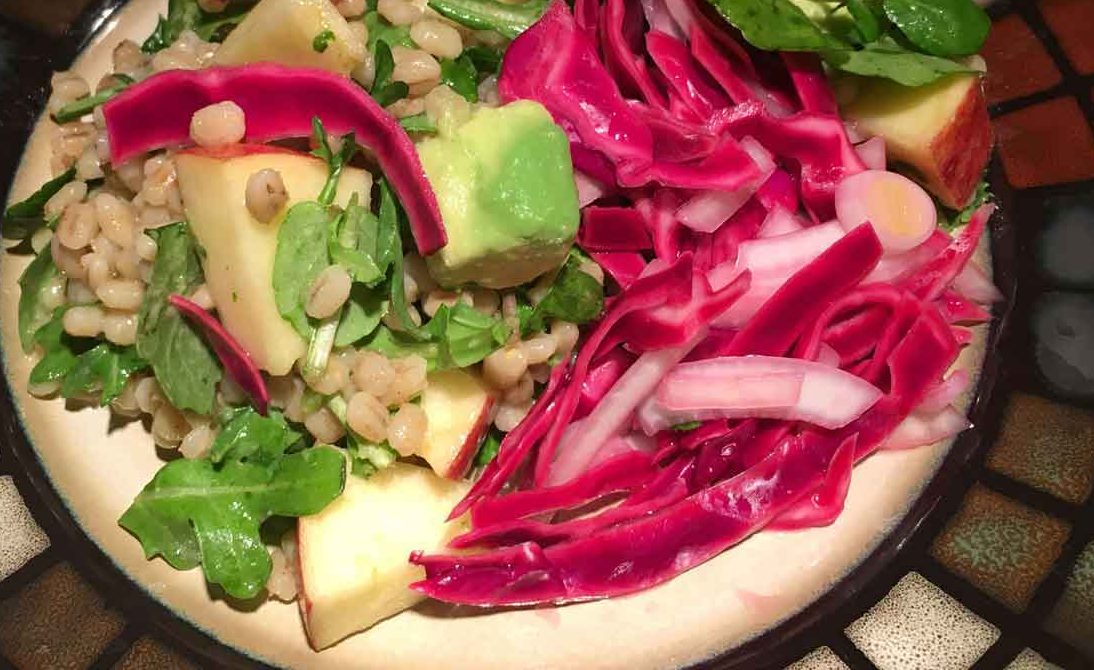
<point x="1031" y="660"/>
<point x="819" y="659"/>
<point x="917" y="626"/>
<point x="23" y="539"/>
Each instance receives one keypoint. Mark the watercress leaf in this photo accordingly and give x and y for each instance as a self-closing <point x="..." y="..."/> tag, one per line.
<point x="26" y="217"/>
<point x="302" y="253"/>
<point x="487" y="60"/>
<point x="461" y="76"/>
<point x="419" y="123"/>
<point x="466" y="335"/>
<point x="185" y="366"/>
<point x="379" y="30"/>
<point x="887" y="59"/>
<point x="507" y="19"/>
<point x="940" y="27"/>
<point x="322" y="41"/>
<point x="34" y="285"/>
<point x="398" y="345"/>
<point x="250" y="437"/>
<point x="575" y="295"/>
<point x="185" y="15"/>
<point x="776" y="25"/>
<point x="367" y="458"/>
<point x="336" y="160"/>
<point x="361" y="317"/>
<point x="353" y="244"/>
<point x="224" y="507"/>
<point x="84" y="106"/>
<point x="105" y="367"/>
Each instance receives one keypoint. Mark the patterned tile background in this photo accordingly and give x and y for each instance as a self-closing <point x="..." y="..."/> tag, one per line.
<point x="1002" y="577"/>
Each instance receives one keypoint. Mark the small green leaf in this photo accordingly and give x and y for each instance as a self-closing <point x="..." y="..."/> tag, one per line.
<point x="379" y="30"/>
<point x="248" y="436"/>
<point x="776" y="25"/>
<point x="322" y="41"/>
<point x="384" y="90"/>
<point x="866" y="21"/>
<point x="507" y="19"/>
<point x="302" y="253"/>
<point x="940" y="27"/>
<point x="25" y="218"/>
<point x="59" y="351"/>
<point x="575" y="296"/>
<point x="487" y="60"/>
<point x="489" y="449"/>
<point x="887" y="59"/>
<point x="364" y="311"/>
<point x="419" y="123"/>
<point x="461" y="76"/>
<point x="80" y="108"/>
<point x="106" y="368"/>
<point x="34" y="284"/>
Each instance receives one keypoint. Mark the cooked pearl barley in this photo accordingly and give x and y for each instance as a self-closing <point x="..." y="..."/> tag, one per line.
<point x="79" y="293"/>
<point x="67" y="260"/>
<point x="282" y="584"/>
<point x="121" y="294"/>
<point x="98" y="270"/>
<point x="433" y="301"/>
<point x="218" y="125"/>
<point x="410" y="380"/>
<point x="128" y="264"/>
<point x="485" y="300"/>
<point x="40" y="239"/>
<point x="367" y="417"/>
<point x="332" y="380"/>
<point x="120" y="327"/>
<point x="446" y="108"/>
<point x="126" y="401"/>
<point x="522" y="392"/>
<point x="325" y="426"/>
<point x="365" y="72"/>
<point x="593" y="269"/>
<point x="510" y="416"/>
<point x="198" y="441"/>
<point x="401" y="12"/>
<point x="266" y="194"/>
<point x="70" y="193"/>
<point x="565" y="335"/>
<point x="146" y="247"/>
<point x="116" y="219"/>
<point x="414" y="66"/>
<point x="504" y="368"/>
<point x="405" y="107"/>
<point x="329" y="292"/>
<point x="78" y="226"/>
<point x="87" y="165"/>
<point x="83" y="321"/>
<point x="43" y="390"/>
<point x="67" y="87"/>
<point x="373" y="373"/>
<point x="282" y="390"/>
<point x="128" y="57"/>
<point x="439" y="39"/>
<point x="231" y="392"/>
<point x="539" y="349"/>
<point x="351" y="9"/>
<point x="293" y="408"/>
<point x="169" y="426"/>
<point x="415" y="269"/>
<point x="406" y="429"/>
<point x="130" y="174"/>
<point x="53" y="295"/>
<point x="149" y="395"/>
<point x="540" y="373"/>
<point x="202" y="297"/>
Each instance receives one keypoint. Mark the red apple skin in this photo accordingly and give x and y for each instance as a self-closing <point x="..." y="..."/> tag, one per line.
<point x="963" y="149"/>
<point x="462" y="463"/>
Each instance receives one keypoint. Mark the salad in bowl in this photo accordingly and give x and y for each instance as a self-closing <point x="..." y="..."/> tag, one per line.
<point x="508" y="304"/>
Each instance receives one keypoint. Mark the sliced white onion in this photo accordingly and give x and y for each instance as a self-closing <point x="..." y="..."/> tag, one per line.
<point x="921" y="429"/>
<point x="783" y="255"/>
<point x="780" y="221"/>
<point x="946" y="393"/>
<point x="589" y="190"/>
<point x="706" y="212"/>
<point x="972" y="283"/>
<point x="872" y="152"/>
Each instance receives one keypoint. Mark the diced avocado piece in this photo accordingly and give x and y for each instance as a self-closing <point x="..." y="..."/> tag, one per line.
<point x="505" y="185"/>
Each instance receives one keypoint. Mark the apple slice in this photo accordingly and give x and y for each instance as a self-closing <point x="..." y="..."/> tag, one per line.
<point x="942" y="130"/>
<point x="457" y="405"/>
<point x="299" y="33"/>
<point x="353" y="556"/>
<point x="239" y="249"/>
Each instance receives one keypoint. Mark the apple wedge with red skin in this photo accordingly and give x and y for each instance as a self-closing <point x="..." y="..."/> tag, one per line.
<point x="942" y="130"/>
<point x="457" y="405"/>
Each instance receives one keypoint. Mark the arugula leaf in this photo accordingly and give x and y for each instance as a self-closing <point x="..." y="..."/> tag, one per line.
<point x="397" y="345"/>
<point x="336" y="160"/>
<point x="461" y="76"/>
<point x="575" y="296"/>
<point x="26" y="217"/>
<point x="507" y="19"/>
<point x="248" y="436"/>
<point x="185" y="15"/>
<point x="487" y="60"/>
<point x="184" y="365"/>
<point x="301" y="255"/>
<point x="362" y="315"/>
<point x="35" y="281"/>
<point x="489" y="449"/>
<point x="384" y="90"/>
<point x="379" y="30"/>
<point x="940" y="27"/>
<point x="59" y="349"/>
<point x="419" y="123"/>
<point x="75" y="110"/>
<point x="106" y="367"/>
<point x="776" y="25"/>
<point x="866" y="21"/>
<point x="353" y="244"/>
<point x="886" y="58"/>
<point x="194" y="511"/>
<point x="390" y="212"/>
<point x="465" y="335"/>
<point x="322" y="41"/>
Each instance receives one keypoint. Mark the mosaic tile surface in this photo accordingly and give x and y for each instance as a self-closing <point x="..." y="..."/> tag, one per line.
<point x="917" y="626"/>
<point x="1014" y="590"/>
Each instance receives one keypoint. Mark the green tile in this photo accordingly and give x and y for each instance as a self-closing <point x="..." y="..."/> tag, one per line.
<point x="1073" y="616"/>
<point x="1001" y="546"/>
<point x="1047" y="445"/>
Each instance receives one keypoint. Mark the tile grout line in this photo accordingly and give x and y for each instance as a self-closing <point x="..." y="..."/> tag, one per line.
<point x="848" y="652"/>
<point x="117" y="647"/>
<point x="1028" y="495"/>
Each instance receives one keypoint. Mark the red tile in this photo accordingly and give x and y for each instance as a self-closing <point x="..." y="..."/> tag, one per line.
<point x="1072" y="21"/>
<point x="1017" y="62"/>
<point x="1048" y="143"/>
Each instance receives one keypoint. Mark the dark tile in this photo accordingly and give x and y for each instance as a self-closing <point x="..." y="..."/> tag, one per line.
<point x="1048" y="445"/>
<point x="1072" y="21"/>
<point x="1000" y="546"/>
<point x="1073" y="616"/>
<point x="57" y="622"/>
<point x="148" y="653"/>
<point x="1063" y="333"/>
<point x="1018" y="64"/>
<point x="52" y="17"/>
<point x="1047" y="143"/>
<point x="1065" y="243"/>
